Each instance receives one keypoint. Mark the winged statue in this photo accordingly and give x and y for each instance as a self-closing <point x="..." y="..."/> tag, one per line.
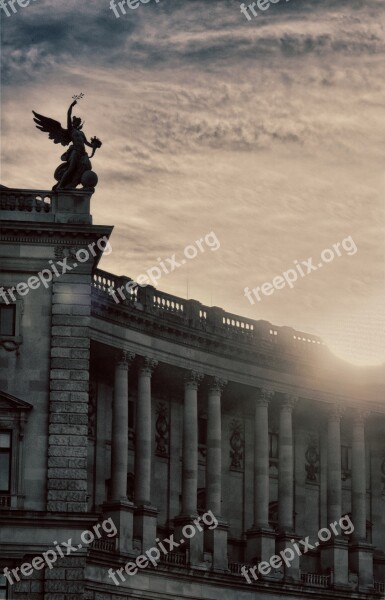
<point x="76" y="168"/>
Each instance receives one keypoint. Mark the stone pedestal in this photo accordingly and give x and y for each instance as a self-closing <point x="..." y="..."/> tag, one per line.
<point x="361" y="562"/>
<point x="284" y="543"/>
<point x="72" y="206"/>
<point x="216" y="542"/>
<point x="122" y="515"/>
<point x="145" y="522"/>
<point x="192" y="546"/>
<point x="334" y="557"/>
<point x="260" y="545"/>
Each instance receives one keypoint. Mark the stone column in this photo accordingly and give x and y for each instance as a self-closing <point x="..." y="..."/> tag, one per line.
<point x="190" y="444"/>
<point x="119" y="434"/>
<point x="145" y="521"/>
<point x="334" y="554"/>
<point x="359" y="477"/>
<point x="361" y="556"/>
<point x="215" y="539"/>
<point x="118" y="507"/>
<point x="334" y="494"/>
<point x="194" y="546"/>
<point x="286" y="484"/>
<point x="261" y="539"/>
<point x="286" y="465"/>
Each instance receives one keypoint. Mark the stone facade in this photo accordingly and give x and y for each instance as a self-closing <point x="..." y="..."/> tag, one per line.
<point x="151" y="412"/>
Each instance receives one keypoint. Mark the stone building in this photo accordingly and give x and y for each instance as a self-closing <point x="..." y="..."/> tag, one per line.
<point x="154" y="410"/>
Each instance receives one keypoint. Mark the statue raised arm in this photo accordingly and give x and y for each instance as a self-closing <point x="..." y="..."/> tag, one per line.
<point x="77" y="166"/>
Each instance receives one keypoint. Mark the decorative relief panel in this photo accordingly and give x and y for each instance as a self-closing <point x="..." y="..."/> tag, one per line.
<point x="162" y="429"/>
<point x="237" y="443"/>
<point x="92" y="409"/>
<point x="312" y="458"/>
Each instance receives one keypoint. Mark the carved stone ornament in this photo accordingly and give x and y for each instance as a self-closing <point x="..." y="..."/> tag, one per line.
<point x="312" y="459"/>
<point x="237" y="443"/>
<point x="193" y="379"/>
<point x="217" y="385"/>
<point x="162" y="428"/>
<point x="92" y="410"/>
<point x="147" y="366"/>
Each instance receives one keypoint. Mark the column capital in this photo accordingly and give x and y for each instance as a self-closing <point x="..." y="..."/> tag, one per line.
<point x="216" y="384"/>
<point x="335" y="412"/>
<point x="147" y="365"/>
<point x="264" y="396"/>
<point x="125" y="359"/>
<point x="192" y="380"/>
<point x="360" y="415"/>
<point x="288" y="402"/>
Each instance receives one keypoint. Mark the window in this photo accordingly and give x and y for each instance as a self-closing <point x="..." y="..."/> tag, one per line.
<point x="13" y="417"/>
<point x="3" y="588"/>
<point x="5" y="462"/>
<point x="8" y="319"/>
<point x="273" y="445"/>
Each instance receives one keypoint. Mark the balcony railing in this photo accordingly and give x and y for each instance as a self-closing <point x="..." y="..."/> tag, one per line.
<point x="105" y="545"/>
<point x="379" y="587"/>
<point x="5" y="501"/>
<point x="174" y="558"/>
<point x="316" y="580"/>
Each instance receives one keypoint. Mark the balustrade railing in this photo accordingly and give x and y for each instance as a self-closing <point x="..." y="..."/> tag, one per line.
<point x="174" y="558"/>
<point x="316" y="579"/>
<point x="109" y="284"/>
<point x="379" y="587"/>
<point x="5" y="501"/>
<point x="105" y="545"/>
<point x="168" y="303"/>
<point x="236" y="568"/>
<point x="26" y="200"/>
<point x="209" y="319"/>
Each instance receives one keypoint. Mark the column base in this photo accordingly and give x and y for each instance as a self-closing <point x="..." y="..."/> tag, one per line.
<point x="216" y="542"/>
<point x="194" y="545"/>
<point x="335" y="557"/>
<point x="260" y="544"/>
<point x="361" y="562"/>
<point x="291" y="571"/>
<point x="122" y="515"/>
<point x="145" y="525"/>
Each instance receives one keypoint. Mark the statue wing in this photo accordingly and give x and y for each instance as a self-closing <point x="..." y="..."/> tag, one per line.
<point x="53" y="128"/>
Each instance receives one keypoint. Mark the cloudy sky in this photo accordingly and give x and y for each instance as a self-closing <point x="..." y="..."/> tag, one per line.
<point x="268" y="132"/>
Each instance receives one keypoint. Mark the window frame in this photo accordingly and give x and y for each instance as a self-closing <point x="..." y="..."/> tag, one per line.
<point x="13" y="342"/>
<point x="9" y="452"/>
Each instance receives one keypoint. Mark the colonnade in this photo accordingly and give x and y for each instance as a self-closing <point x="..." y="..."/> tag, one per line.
<point x="262" y="542"/>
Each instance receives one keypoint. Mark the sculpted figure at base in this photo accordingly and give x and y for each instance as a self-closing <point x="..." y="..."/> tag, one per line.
<point x="77" y="168"/>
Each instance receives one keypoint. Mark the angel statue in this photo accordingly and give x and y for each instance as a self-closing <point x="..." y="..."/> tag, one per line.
<point x="77" y="166"/>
